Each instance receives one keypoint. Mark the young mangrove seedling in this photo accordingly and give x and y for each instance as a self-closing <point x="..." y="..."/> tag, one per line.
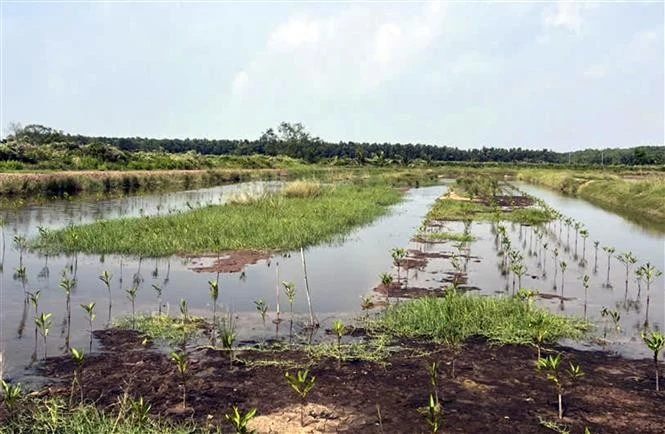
<point x="131" y="296"/>
<point x="539" y="336"/>
<point x="649" y="273"/>
<point x="182" y="365"/>
<point x="366" y="302"/>
<point x="240" y="421"/>
<point x="585" y="283"/>
<point x="563" y="265"/>
<point x="214" y="295"/>
<point x="398" y="254"/>
<point x="551" y="365"/>
<point x="106" y="277"/>
<point x="584" y="234"/>
<point x="433" y="372"/>
<point x="78" y="358"/>
<point x="228" y="336"/>
<point x="43" y="322"/>
<point x="290" y="291"/>
<point x="595" y="256"/>
<point x="302" y="383"/>
<point x="90" y="312"/>
<point x="158" y="289"/>
<point x="67" y="284"/>
<point x="610" y="251"/>
<point x="262" y="309"/>
<point x="628" y="260"/>
<point x="432" y="414"/>
<point x="519" y="269"/>
<point x="338" y="329"/>
<point x="655" y="341"/>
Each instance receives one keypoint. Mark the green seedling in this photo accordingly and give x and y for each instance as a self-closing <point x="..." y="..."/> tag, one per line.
<point x="432" y="414"/>
<point x="302" y="383"/>
<point x="386" y="278"/>
<point x="338" y="328"/>
<point x="106" y="277"/>
<point x="290" y="291"/>
<point x="158" y="289"/>
<point x="433" y="372"/>
<point x="182" y="365"/>
<point x="614" y="316"/>
<point x="262" y="309"/>
<point x="398" y="254"/>
<point x="131" y="296"/>
<point x="655" y="341"/>
<point x="551" y="365"/>
<point x="214" y="295"/>
<point x="585" y="282"/>
<point x="610" y="251"/>
<point x="184" y="310"/>
<point x="78" y="358"/>
<point x="563" y="265"/>
<point x="228" y="337"/>
<point x="628" y="260"/>
<point x="240" y="421"/>
<point x="366" y="302"/>
<point x="43" y="323"/>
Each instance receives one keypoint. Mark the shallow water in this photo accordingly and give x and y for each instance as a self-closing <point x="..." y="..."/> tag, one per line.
<point x="338" y="274"/>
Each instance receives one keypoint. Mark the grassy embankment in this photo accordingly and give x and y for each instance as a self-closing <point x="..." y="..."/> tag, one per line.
<point x="300" y="215"/>
<point x="635" y="196"/>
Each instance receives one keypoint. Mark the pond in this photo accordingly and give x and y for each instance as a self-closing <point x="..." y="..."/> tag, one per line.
<point x="339" y="275"/>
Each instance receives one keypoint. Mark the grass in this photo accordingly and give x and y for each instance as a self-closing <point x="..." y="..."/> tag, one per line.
<point x="162" y="327"/>
<point x="446" y="236"/>
<point x="457" y="317"/>
<point x="274" y="222"/>
<point x="52" y="415"/>
<point x="446" y="208"/>
<point x="634" y="196"/>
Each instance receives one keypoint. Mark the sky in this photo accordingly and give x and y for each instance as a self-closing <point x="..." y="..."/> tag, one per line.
<point x="557" y="75"/>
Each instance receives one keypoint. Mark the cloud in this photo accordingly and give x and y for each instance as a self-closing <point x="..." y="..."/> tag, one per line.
<point x="240" y="83"/>
<point x="350" y="52"/>
<point x="565" y="15"/>
<point x="595" y="71"/>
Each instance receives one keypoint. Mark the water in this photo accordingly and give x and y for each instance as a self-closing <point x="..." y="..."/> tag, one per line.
<point x="338" y="274"/>
<point x="607" y="228"/>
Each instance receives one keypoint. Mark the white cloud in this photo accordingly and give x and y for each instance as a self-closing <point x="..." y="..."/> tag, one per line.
<point x="352" y="51"/>
<point x="564" y="15"/>
<point x="595" y="71"/>
<point x="240" y="83"/>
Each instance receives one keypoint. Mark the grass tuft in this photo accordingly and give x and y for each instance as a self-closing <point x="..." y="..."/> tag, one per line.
<point x="162" y="327"/>
<point x="302" y="188"/>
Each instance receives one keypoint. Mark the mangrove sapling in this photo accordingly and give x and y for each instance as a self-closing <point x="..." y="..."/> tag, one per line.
<point x="520" y="270"/>
<point x="655" y="341"/>
<point x="78" y="358"/>
<point x="649" y="273"/>
<point x="131" y="296"/>
<point x="386" y="279"/>
<point x="34" y="300"/>
<point x="433" y="372"/>
<point x="313" y="322"/>
<point x="578" y="226"/>
<point x="158" y="289"/>
<point x="551" y="365"/>
<point x="214" y="295"/>
<point x="585" y="283"/>
<point x="90" y="312"/>
<point x="240" y="421"/>
<point x="366" y="303"/>
<point x="545" y="246"/>
<point x="182" y="365"/>
<point x="628" y="260"/>
<point x="338" y="329"/>
<point x="614" y="316"/>
<point x="228" y="337"/>
<point x="290" y="291"/>
<point x="20" y="244"/>
<point x="432" y="414"/>
<point x="43" y="322"/>
<point x="302" y="383"/>
<point x="106" y="277"/>
<point x="555" y="254"/>
<point x="595" y="256"/>
<point x="262" y="309"/>
<point x="609" y="251"/>
<point x="563" y="265"/>
<point x="398" y="254"/>
<point x="67" y="284"/>
<point x="584" y="234"/>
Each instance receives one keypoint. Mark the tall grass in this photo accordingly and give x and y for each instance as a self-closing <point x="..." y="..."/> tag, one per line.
<point x="446" y="208"/>
<point x="273" y="222"/>
<point x="500" y="319"/>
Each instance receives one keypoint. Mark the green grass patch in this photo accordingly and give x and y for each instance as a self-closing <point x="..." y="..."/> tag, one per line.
<point x="459" y="237"/>
<point x="273" y="222"/>
<point x="456" y="317"/>
<point x="446" y="208"/>
<point x="53" y="415"/>
<point x="164" y="328"/>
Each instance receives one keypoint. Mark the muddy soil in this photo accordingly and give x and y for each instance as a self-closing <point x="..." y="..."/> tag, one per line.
<point x="495" y="389"/>
<point x="232" y="262"/>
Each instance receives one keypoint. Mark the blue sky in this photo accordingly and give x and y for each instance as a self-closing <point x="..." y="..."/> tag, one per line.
<point x="559" y="75"/>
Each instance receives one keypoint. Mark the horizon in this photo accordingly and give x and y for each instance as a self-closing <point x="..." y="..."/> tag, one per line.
<point x="558" y="76"/>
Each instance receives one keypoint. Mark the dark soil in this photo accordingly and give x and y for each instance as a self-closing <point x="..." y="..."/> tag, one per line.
<point x="496" y="389"/>
<point x="233" y="262"/>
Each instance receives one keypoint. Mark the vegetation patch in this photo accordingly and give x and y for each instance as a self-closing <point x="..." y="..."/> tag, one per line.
<point x="457" y="317"/>
<point x="272" y="222"/>
<point x="436" y="237"/>
<point x="162" y="327"/>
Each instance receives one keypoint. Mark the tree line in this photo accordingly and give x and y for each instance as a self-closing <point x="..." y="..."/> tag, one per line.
<point x="293" y="140"/>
